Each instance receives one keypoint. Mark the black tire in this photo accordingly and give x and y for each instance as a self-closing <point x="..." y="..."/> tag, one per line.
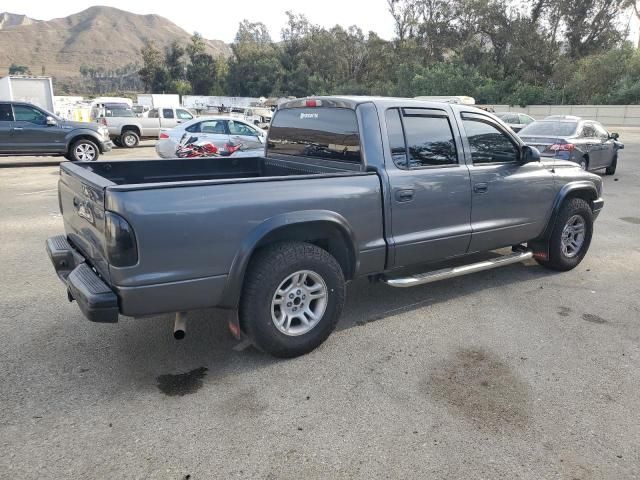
<point x="558" y="259"/>
<point x="117" y="142"/>
<point x="83" y="150"/>
<point x="611" y="169"/>
<point x="129" y="139"/>
<point x="266" y="273"/>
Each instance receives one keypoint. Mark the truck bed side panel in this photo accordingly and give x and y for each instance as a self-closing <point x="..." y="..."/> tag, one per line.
<point x="195" y="232"/>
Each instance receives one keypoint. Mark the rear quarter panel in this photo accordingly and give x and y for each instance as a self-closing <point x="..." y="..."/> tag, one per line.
<point x="196" y="231"/>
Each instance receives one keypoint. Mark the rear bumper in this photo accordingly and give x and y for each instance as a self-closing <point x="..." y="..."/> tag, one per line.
<point x="100" y="302"/>
<point x="107" y="146"/>
<point x="96" y="300"/>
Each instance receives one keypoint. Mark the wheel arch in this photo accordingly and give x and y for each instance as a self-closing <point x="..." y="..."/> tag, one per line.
<point x="84" y="136"/>
<point x="134" y="128"/>
<point x="328" y="230"/>
<point x="581" y="189"/>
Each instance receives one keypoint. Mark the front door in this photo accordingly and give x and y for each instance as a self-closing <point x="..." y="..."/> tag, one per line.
<point x="607" y="146"/>
<point x="430" y="189"/>
<point x="510" y="201"/>
<point x="30" y="132"/>
<point x="244" y="136"/>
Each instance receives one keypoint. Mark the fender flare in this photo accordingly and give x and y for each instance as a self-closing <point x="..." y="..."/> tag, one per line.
<point x="80" y="133"/>
<point x="540" y="243"/>
<point x="235" y="278"/>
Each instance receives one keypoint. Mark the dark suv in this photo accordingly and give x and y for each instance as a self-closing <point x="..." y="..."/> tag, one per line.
<point x="29" y="130"/>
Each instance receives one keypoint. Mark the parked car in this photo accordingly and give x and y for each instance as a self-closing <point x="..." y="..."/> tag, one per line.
<point x="585" y="142"/>
<point x="348" y="187"/>
<point x="127" y="131"/>
<point x="223" y="131"/>
<point x="29" y="130"/>
<point x="516" y="121"/>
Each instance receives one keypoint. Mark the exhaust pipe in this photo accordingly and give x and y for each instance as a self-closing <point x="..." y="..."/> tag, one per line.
<point x="180" y="325"/>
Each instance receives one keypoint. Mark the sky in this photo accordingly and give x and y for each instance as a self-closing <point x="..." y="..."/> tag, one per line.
<point x="219" y="20"/>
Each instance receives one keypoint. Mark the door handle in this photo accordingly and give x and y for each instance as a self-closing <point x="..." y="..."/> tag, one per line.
<point x="481" y="187"/>
<point x="404" y="195"/>
<point x="17" y="129"/>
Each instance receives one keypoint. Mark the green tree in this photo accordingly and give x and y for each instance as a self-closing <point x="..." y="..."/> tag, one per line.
<point x="153" y="73"/>
<point x="15" y="69"/>
<point x="202" y="69"/>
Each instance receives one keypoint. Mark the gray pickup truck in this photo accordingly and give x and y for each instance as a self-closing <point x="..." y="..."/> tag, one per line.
<point x="348" y="187"/>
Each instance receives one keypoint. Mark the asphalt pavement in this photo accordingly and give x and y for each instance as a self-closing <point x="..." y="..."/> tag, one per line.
<point x="512" y="373"/>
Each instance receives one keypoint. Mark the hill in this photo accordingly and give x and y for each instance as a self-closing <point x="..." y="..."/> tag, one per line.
<point x="97" y="37"/>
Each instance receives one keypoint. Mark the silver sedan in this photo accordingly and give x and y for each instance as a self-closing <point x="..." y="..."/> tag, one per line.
<point x="225" y="132"/>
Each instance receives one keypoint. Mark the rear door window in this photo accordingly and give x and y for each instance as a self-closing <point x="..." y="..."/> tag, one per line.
<point x="317" y="132"/>
<point x="167" y="113"/>
<point x="420" y="138"/>
<point x="6" y="114"/>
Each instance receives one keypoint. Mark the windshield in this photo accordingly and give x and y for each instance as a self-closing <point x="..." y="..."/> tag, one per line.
<point x="319" y="132"/>
<point x="550" y="128"/>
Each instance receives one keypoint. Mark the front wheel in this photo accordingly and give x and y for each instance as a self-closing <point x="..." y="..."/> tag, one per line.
<point x="292" y="299"/>
<point x="83" y="151"/>
<point x="571" y="236"/>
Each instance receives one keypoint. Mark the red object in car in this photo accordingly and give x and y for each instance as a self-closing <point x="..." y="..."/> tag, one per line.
<point x="562" y="147"/>
<point x="163" y="135"/>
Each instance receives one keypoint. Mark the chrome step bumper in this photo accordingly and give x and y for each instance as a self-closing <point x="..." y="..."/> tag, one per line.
<point x="444" y="273"/>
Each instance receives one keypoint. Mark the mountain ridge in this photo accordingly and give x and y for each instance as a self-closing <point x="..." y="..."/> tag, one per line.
<point x="99" y="37"/>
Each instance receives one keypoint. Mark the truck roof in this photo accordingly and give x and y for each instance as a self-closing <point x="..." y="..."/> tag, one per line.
<point x="352" y="101"/>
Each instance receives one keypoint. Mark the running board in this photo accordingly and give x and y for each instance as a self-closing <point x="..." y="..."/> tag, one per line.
<point x="442" y="274"/>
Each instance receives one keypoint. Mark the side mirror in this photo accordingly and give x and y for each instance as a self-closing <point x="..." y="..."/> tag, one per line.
<point x="51" y="122"/>
<point x="529" y="154"/>
<point x="614" y="136"/>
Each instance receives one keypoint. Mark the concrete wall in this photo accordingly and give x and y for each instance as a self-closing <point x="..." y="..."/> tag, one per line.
<point x="608" y="115"/>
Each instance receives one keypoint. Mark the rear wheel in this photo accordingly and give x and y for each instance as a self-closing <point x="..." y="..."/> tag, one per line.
<point x="293" y="296"/>
<point x="611" y="169"/>
<point x="83" y="151"/>
<point x="129" y="139"/>
<point x="571" y="236"/>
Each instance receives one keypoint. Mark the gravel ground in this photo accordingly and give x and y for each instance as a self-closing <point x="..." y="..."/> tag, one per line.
<point x="512" y="373"/>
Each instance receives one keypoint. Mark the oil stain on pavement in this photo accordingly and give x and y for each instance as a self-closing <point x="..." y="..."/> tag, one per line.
<point x="481" y="387"/>
<point x="564" y="311"/>
<point x="590" y="317"/>
<point x="634" y="220"/>
<point x="182" y="383"/>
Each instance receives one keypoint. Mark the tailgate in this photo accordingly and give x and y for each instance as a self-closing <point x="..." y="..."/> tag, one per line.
<point x="81" y="194"/>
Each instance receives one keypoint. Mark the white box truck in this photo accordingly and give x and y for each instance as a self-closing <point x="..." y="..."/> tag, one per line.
<point x="36" y="90"/>
<point x="155" y="100"/>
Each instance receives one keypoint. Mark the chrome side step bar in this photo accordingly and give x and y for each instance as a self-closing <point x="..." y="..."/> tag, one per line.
<point x="444" y="273"/>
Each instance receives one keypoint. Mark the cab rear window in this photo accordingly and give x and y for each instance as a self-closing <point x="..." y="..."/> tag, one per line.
<point x="318" y="132"/>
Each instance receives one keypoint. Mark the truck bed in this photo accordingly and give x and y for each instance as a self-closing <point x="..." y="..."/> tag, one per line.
<point x="215" y="168"/>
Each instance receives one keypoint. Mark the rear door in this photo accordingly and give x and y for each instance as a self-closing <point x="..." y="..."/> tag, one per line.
<point x="6" y="123"/>
<point x="510" y="201"/>
<point x="167" y="118"/>
<point x="431" y="193"/>
<point x="30" y="132"/>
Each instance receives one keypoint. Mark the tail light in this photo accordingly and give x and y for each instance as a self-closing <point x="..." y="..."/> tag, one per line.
<point x="163" y="135"/>
<point x="562" y="147"/>
<point x="103" y="121"/>
<point x="312" y="102"/>
<point x="122" y="250"/>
